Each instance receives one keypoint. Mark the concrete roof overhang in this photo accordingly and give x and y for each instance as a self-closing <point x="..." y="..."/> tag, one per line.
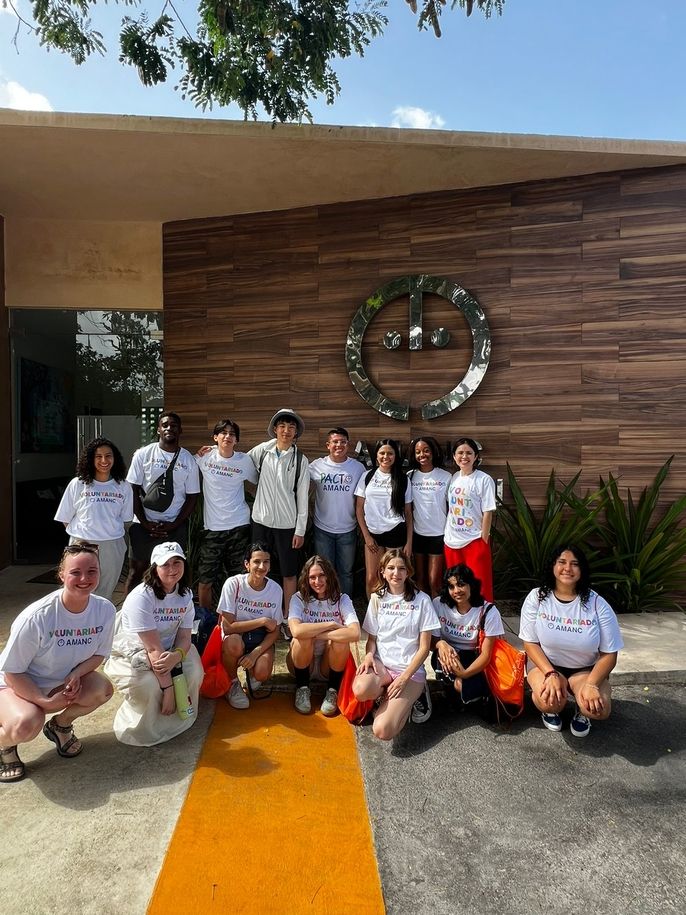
<point x="113" y="167"/>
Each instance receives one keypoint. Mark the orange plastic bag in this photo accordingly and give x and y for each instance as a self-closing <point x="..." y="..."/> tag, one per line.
<point x="348" y="705"/>
<point x="216" y="682"/>
<point x="504" y="673"/>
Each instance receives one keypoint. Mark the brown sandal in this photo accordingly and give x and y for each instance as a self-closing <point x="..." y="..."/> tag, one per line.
<point x="16" y="766"/>
<point x="51" y="729"/>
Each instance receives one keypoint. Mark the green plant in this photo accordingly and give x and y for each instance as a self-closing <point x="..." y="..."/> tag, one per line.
<point x="645" y="556"/>
<point x="525" y="537"/>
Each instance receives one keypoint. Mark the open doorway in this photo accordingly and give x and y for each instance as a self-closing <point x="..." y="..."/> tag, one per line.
<point x="76" y="374"/>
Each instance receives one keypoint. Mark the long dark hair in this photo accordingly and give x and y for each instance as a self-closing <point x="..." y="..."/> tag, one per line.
<point x="583" y="585"/>
<point x="333" y="588"/>
<point x="381" y="588"/>
<point x="464" y="576"/>
<point x="85" y="469"/>
<point x="152" y="580"/>
<point x="398" y="477"/>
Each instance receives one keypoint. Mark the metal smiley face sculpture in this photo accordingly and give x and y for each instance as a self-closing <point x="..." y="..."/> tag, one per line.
<point x="414" y="287"/>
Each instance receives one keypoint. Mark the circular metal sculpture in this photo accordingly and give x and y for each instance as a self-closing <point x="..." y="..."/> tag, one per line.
<point x="414" y="287"/>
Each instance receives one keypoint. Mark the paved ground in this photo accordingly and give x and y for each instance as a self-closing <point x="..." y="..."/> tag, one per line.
<point x="468" y="818"/>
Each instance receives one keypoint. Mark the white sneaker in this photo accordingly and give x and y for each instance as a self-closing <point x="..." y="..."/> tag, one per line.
<point x="236" y="697"/>
<point x="255" y="684"/>
<point x="302" y="700"/>
<point x="329" y="706"/>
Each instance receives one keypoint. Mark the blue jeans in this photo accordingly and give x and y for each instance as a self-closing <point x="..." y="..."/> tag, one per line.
<point x="340" y="550"/>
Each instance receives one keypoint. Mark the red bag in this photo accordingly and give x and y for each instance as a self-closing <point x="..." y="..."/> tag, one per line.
<point x="348" y="705"/>
<point x="216" y="682"/>
<point x="504" y="673"/>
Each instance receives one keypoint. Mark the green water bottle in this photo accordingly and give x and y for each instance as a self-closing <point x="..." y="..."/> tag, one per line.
<point x="184" y="705"/>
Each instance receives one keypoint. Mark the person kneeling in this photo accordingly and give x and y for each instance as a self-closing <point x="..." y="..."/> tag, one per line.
<point x="250" y="616"/>
<point x="323" y="623"/>
<point x="399" y="623"/>
<point x="50" y="662"/>
<point x="153" y="664"/>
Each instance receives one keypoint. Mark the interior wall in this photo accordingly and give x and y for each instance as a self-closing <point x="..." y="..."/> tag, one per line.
<point x="83" y="264"/>
<point x="583" y="282"/>
<point x="5" y="419"/>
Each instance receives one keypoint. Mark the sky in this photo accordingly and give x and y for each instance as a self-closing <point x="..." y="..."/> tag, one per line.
<point x="595" y="68"/>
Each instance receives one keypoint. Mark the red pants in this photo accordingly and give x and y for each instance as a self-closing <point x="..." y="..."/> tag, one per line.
<point x="476" y="555"/>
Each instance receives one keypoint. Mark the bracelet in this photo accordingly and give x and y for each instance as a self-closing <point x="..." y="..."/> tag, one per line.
<point x="162" y="688"/>
<point x="551" y="673"/>
<point x="180" y="651"/>
<point x="593" y="686"/>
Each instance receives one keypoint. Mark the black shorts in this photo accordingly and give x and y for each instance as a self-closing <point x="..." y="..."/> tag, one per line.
<point x="279" y="543"/>
<point x="221" y="554"/>
<point x="427" y="546"/>
<point x="253" y="638"/>
<point x="473" y="688"/>
<point x="396" y="537"/>
<point x="142" y="543"/>
<point x="568" y="672"/>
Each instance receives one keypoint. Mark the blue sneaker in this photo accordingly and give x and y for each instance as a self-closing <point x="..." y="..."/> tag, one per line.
<point x="552" y="722"/>
<point x="579" y="725"/>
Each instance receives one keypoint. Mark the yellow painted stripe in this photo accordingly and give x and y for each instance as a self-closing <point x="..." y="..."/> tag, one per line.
<point x="275" y="820"/>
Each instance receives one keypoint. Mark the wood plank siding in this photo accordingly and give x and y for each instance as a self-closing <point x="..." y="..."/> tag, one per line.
<point x="583" y="282"/>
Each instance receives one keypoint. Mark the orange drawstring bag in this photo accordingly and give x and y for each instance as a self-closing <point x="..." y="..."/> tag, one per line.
<point x="216" y="682"/>
<point x="348" y="705"/>
<point x="504" y="673"/>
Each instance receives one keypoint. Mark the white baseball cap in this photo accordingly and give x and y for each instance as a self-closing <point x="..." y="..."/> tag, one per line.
<point x="163" y="552"/>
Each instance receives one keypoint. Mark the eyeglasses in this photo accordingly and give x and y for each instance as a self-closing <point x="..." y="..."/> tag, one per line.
<point x="81" y="547"/>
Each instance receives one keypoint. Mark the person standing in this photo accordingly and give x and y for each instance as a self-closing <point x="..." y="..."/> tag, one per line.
<point x="226" y="514"/>
<point x="163" y="518"/>
<point x="471" y="506"/>
<point x="97" y="505"/>
<point x="335" y="478"/>
<point x="279" y="517"/>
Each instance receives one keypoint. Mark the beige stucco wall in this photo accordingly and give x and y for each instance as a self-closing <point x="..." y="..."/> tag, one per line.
<point x="83" y="264"/>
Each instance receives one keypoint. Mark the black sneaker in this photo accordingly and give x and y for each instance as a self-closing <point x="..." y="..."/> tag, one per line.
<point x="421" y="710"/>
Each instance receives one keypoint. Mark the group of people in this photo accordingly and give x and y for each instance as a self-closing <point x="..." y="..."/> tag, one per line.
<point x="425" y="519"/>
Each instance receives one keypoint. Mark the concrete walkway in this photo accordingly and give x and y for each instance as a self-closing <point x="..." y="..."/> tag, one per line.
<point x="90" y="834"/>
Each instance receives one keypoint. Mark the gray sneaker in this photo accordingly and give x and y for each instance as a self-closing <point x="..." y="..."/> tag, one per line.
<point x="302" y="700"/>
<point x="236" y="697"/>
<point x="329" y="706"/>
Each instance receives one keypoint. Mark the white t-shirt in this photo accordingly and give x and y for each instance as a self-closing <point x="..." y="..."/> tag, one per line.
<point x="469" y="496"/>
<point x="396" y="625"/>
<point x="334" y="500"/>
<point x="569" y="633"/>
<point x="429" y="501"/>
<point x="96" y="511"/>
<point x="323" y="611"/>
<point x="378" y="511"/>
<point x="224" y="505"/>
<point x="142" y="611"/>
<point x="461" y="630"/>
<point x="150" y="462"/>
<point x="244" y="603"/>
<point x="47" y="641"/>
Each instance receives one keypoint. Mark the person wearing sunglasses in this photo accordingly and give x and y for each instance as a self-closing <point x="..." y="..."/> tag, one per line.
<point x="49" y="666"/>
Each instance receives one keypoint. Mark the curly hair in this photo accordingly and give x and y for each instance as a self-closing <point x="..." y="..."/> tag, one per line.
<point x="583" y="585"/>
<point x="85" y="469"/>
<point x="464" y="576"/>
<point x="381" y="588"/>
<point x="333" y="588"/>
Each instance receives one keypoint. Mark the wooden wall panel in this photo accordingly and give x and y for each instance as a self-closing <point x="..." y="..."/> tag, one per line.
<point x="583" y="282"/>
<point x="6" y="548"/>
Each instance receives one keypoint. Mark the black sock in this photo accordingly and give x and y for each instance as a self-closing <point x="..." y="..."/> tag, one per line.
<point x="302" y="675"/>
<point x="335" y="677"/>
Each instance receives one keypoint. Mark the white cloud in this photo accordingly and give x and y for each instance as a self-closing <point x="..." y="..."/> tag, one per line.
<point x="14" y="95"/>
<point x="417" y="118"/>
